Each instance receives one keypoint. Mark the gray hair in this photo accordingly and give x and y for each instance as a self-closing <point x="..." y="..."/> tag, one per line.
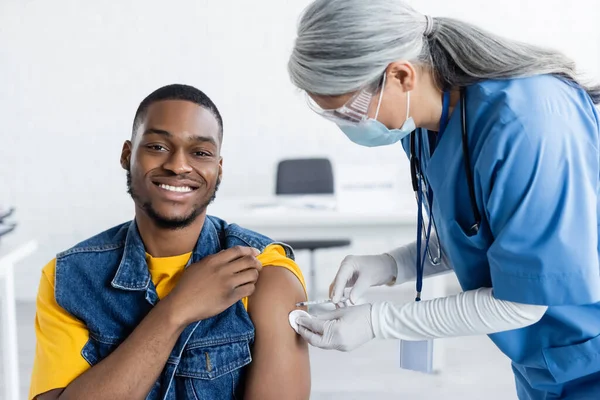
<point x="343" y="45"/>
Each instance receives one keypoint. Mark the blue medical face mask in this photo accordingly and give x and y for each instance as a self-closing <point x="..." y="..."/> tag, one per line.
<point x="372" y="133"/>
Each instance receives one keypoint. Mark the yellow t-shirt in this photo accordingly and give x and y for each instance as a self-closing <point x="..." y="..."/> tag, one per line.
<point x="61" y="337"/>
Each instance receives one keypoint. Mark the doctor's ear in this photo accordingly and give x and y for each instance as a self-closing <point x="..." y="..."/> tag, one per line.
<point x="126" y="155"/>
<point x="403" y="74"/>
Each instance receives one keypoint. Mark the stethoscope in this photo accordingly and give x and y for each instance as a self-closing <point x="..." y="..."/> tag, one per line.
<point x="423" y="191"/>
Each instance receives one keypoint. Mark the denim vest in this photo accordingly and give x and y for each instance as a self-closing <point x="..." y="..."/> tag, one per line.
<point x="104" y="282"/>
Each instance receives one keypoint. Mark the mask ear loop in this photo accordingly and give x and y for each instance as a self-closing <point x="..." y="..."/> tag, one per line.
<point x="380" y="97"/>
<point x="407" y="105"/>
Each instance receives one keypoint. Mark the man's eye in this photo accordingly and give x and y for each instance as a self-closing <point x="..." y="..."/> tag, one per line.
<point x="156" y="147"/>
<point x="202" y="154"/>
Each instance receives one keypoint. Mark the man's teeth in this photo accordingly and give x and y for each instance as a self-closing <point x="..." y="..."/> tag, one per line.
<point x="181" y="189"/>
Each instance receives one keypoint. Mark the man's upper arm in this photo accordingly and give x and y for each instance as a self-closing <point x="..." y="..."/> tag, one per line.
<point x="59" y="340"/>
<point x="51" y="395"/>
<point x="280" y="366"/>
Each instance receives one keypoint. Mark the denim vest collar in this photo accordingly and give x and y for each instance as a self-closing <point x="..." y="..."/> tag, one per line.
<point x="133" y="273"/>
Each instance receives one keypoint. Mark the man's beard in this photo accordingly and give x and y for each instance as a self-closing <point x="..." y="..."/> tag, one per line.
<point x="170" y="223"/>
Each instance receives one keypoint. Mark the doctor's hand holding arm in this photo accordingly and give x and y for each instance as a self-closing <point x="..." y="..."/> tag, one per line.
<point x="503" y="141"/>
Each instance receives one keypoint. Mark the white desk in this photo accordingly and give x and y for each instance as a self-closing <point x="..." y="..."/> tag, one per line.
<point x="302" y="223"/>
<point x="9" y="319"/>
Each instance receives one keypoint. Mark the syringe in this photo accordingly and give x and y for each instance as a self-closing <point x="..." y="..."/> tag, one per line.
<point x="315" y="302"/>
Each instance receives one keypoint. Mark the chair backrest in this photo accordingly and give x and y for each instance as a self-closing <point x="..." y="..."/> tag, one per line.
<point x="304" y="176"/>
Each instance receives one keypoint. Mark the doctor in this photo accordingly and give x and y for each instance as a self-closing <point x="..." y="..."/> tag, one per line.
<point x="503" y="142"/>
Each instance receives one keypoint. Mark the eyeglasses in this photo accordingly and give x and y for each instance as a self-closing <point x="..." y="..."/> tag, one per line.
<point x="355" y="110"/>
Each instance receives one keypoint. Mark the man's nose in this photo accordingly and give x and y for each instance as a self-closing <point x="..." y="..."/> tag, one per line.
<point x="178" y="163"/>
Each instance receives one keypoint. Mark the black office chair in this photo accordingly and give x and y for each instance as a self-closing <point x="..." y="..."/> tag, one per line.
<point x="306" y="177"/>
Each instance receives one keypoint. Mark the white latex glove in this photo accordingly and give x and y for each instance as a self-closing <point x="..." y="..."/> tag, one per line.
<point x="343" y="329"/>
<point x="358" y="273"/>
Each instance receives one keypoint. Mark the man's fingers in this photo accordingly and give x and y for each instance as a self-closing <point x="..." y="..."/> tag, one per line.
<point x="244" y="263"/>
<point x="243" y="291"/>
<point x="245" y="277"/>
<point x="233" y="253"/>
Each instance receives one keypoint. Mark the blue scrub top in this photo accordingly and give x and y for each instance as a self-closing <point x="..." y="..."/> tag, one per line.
<point x="534" y="153"/>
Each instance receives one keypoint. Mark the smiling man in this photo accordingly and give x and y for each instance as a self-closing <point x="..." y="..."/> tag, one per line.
<point x="174" y="304"/>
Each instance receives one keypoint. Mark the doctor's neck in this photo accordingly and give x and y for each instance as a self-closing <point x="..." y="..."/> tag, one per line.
<point x="426" y="103"/>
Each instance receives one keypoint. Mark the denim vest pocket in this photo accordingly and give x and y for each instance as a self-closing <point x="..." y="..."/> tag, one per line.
<point x="213" y="369"/>
<point x="98" y="348"/>
<point x="567" y="363"/>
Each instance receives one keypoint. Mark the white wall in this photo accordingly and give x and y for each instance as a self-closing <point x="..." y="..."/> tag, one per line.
<point x="73" y="72"/>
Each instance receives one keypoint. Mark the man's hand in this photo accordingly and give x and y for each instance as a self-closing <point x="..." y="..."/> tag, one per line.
<point x="343" y="329"/>
<point x="215" y="283"/>
<point x="359" y="273"/>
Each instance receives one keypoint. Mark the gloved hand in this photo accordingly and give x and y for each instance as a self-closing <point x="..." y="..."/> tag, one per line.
<point x="358" y="273"/>
<point x="343" y="329"/>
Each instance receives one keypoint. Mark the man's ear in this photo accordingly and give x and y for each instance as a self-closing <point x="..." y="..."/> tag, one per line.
<point x="126" y="155"/>
<point x="220" y="168"/>
<point x="402" y="73"/>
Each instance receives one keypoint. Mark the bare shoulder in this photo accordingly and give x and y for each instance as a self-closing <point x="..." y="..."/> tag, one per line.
<point x="277" y="283"/>
<point x="277" y="292"/>
<point x="280" y="357"/>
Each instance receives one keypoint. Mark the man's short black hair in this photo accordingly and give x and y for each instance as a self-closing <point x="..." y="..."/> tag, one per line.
<point x="177" y="92"/>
